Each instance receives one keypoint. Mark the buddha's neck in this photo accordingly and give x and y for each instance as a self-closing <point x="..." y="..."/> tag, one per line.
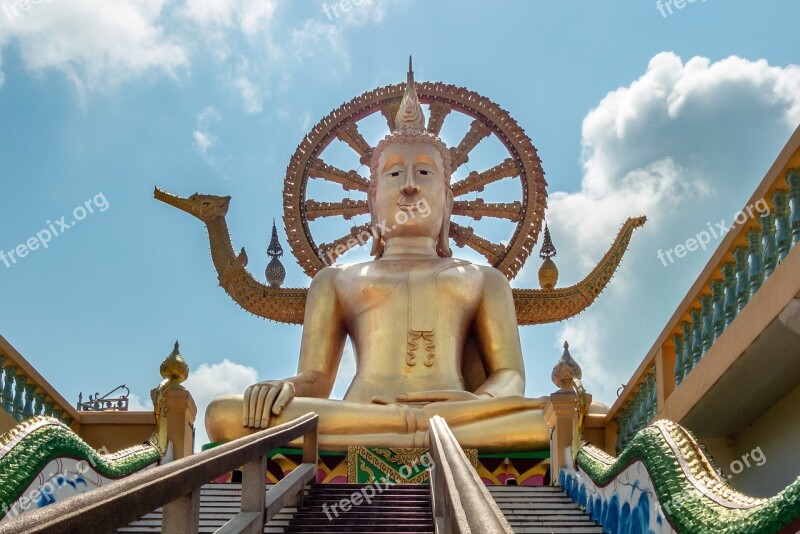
<point x="410" y="247"/>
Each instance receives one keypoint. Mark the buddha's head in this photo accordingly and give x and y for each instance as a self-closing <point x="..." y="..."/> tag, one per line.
<point x="409" y="191"/>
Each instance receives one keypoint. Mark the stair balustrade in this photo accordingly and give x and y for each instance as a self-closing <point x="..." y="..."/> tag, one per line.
<point x="461" y="502"/>
<point x="25" y="393"/>
<point x="176" y="487"/>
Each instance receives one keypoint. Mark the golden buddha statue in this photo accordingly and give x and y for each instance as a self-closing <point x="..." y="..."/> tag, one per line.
<point x="432" y="335"/>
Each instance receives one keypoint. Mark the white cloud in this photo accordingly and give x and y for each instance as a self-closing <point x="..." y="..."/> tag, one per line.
<point x="664" y="139"/>
<point x="248" y="16"/>
<point x="203" y="138"/>
<point x="94" y="43"/>
<point x="210" y="381"/>
<point x="670" y="146"/>
<point x="251" y="96"/>
<point x="136" y="404"/>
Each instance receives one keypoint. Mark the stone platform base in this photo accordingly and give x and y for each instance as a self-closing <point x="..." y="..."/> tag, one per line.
<point x="362" y="465"/>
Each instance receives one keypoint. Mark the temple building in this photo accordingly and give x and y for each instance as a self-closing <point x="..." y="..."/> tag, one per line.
<point x="435" y="433"/>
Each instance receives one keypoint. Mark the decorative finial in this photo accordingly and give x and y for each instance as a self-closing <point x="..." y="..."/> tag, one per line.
<point x="548" y="272"/>
<point x="275" y="272"/>
<point x="409" y="117"/>
<point x="175" y="367"/>
<point x="274" y="250"/>
<point x="566" y="370"/>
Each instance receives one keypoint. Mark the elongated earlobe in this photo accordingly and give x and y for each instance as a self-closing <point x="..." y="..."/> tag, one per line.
<point x="377" y="238"/>
<point x="443" y="245"/>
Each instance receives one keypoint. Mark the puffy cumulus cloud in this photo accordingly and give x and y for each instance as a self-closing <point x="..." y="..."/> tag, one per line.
<point x="668" y="137"/>
<point x="685" y="143"/>
<point x="96" y="44"/>
<point x="210" y="381"/>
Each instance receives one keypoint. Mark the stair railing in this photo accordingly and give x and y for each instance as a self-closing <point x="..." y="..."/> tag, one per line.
<point x="461" y="502"/>
<point x="176" y="487"/>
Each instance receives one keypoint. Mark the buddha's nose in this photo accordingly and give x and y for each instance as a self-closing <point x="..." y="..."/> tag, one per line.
<point x="409" y="187"/>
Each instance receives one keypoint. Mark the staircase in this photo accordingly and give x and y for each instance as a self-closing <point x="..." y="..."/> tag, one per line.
<point x="398" y="509"/>
<point x="542" y="509"/>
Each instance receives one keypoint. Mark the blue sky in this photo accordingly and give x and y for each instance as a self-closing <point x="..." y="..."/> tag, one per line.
<point x="677" y="117"/>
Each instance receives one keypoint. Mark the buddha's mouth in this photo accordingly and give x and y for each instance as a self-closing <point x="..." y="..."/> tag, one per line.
<point x="408" y="206"/>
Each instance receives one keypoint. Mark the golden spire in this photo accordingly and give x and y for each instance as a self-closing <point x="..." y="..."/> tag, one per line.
<point x="548" y="272"/>
<point x="174" y="367"/>
<point x="566" y="370"/>
<point x="409" y="117"/>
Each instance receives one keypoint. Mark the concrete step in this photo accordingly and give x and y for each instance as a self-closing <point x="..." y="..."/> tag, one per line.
<point x="398" y="509"/>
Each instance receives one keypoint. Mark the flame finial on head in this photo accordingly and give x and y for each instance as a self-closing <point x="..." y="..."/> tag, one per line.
<point x="409" y="117"/>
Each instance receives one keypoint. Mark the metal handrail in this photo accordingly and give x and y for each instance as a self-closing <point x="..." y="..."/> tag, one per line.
<point x="176" y="487"/>
<point x="461" y="502"/>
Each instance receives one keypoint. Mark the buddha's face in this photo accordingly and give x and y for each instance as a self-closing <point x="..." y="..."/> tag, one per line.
<point x="410" y="194"/>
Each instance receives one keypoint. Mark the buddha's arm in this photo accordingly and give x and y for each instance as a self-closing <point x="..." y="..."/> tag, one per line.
<point x="323" y="339"/>
<point x="497" y="332"/>
<point x="320" y="354"/>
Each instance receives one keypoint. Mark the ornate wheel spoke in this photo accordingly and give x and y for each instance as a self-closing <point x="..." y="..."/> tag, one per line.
<point x="347" y="208"/>
<point x="358" y="235"/>
<point x="479" y="208"/>
<point x="467" y="236"/>
<point x="389" y="111"/>
<point x="476" y="181"/>
<point x="460" y="154"/>
<point x="348" y="132"/>
<point x="439" y="112"/>
<point x="347" y="179"/>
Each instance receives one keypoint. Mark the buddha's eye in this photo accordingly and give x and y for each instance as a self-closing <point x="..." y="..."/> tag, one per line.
<point x="395" y="174"/>
<point x="423" y="172"/>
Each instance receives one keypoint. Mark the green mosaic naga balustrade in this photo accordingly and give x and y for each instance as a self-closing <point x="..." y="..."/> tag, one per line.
<point x="29" y="447"/>
<point x="692" y="494"/>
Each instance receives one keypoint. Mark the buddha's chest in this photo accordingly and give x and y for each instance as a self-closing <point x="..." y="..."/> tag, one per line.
<point x="414" y="293"/>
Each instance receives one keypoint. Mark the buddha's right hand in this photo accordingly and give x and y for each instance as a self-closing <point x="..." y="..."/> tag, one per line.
<point x="263" y="400"/>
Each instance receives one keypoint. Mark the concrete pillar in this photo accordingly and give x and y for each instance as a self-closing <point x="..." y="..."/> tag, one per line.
<point x="665" y="374"/>
<point x="559" y="413"/>
<point x="181" y="413"/>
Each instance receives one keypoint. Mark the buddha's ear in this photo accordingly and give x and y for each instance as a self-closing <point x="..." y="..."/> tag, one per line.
<point x="377" y="238"/>
<point x="443" y="245"/>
